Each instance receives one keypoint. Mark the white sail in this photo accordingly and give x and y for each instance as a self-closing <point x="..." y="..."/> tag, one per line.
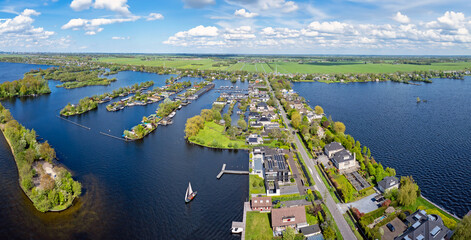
<point x="190" y="191"/>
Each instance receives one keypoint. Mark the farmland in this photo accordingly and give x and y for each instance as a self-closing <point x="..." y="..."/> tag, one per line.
<point x="271" y="65"/>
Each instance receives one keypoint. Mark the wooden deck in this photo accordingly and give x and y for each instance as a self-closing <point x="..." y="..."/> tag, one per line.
<point x="223" y="170"/>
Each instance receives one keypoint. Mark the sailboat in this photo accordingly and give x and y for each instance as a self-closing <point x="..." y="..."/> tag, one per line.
<point x="189" y="195"/>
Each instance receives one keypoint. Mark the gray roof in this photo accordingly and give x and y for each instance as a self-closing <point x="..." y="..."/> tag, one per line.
<point x="333" y="146"/>
<point x="423" y="226"/>
<point x="343" y="156"/>
<point x="262" y="104"/>
<point x="388" y="182"/>
<point x="311" y="229"/>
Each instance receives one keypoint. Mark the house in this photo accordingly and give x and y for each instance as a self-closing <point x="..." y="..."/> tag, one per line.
<point x="254" y="115"/>
<point x="310" y="230"/>
<point x="332" y="148"/>
<point x="262" y="106"/>
<point x="281" y="218"/>
<point x="262" y="204"/>
<point x="311" y="116"/>
<point x="256" y="124"/>
<point x="388" y="183"/>
<point x="424" y="226"/>
<point x="254" y="139"/>
<point x="264" y="120"/>
<point x="344" y="160"/>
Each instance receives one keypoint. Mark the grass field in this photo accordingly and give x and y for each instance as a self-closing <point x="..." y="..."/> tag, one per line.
<point x="258" y="226"/>
<point x="213" y="132"/>
<point x="284" y="67"/>
<point x="423" y="202"/>
<point x="257" y="189"/>
<point x="351" y="67"/>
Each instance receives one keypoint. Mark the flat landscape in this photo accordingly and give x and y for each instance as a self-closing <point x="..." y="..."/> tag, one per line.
<point x="285" y="67"/>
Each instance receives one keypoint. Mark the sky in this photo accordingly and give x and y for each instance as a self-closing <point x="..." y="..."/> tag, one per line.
<point x="373" y="27"/>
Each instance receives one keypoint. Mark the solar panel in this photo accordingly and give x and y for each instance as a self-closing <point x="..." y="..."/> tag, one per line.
<point x="416" y="225"/>
<point x="435" y="231"/>
<point x="420" y="237"/>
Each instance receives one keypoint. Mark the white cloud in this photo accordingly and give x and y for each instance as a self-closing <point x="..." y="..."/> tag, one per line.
<point x="92" y="26"/>
<point x="244" y="13"/>
<point x="120" y="38"/>
<point x="401" y="18"/>
<point x="198" y="3"/>
<point x="279" y="5"/>
<point x="79" y="5"/>
<point x="240" y="33"/>
<point x="450" y="30"/>
<point x="18" y="33"/>
<point x="119" y="6"/>
<point x="154" y="16"/>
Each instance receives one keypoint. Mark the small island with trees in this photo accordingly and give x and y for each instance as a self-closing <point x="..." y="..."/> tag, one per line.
<point x="49" y="186"/>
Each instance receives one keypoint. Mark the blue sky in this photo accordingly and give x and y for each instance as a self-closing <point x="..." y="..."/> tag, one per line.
<point x="237" y="26"/>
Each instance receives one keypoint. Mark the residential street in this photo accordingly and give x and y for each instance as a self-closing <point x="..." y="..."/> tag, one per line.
<point x="342" y="224"/>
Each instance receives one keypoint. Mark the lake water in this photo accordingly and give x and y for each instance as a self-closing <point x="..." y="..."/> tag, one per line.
<point x="132" y="190"/>
<point x="430" y="141"/>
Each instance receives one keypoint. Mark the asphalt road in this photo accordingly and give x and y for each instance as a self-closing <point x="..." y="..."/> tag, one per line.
<point x="342" y="224"/>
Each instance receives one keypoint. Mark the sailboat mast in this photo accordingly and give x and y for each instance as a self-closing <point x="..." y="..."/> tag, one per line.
<point x="189" y="188"/>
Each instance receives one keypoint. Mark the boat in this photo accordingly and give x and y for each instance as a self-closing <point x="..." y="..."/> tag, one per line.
<point x="236" y="230"/>
<point x="189" y="195"/>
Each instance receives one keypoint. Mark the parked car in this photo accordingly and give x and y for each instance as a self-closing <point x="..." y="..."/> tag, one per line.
<point x="237" y="230"/>
<point x="391" y="227"/>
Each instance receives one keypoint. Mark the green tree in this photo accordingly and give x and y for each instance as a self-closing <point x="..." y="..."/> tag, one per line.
<point x="318" y="110"/>
<point x="207" y="115"/>
<point x="47" y="152"/>
<point x="296" y="119"/>
<point x="408" y="191"/>
<point x="463" y="229"/>
<point x="289" y="234"/>
<point x="193" y="126"/>
<point x="391" y="172"/>
<point x="227" y="120"/>
<point x="339" y="127"/>
<point x="241" y="123"/>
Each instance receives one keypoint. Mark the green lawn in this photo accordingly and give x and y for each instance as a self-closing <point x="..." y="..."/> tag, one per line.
<point x="423" y="202"/>
<point x="343" y="184"/>
<point x="257" y="189"/>
<point x="258" y="226"/>
<point x="289" y="197"/>
<point x="213" y="132"/>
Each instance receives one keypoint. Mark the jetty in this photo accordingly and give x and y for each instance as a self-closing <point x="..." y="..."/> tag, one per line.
<point x="244" y="220"/>
<point x="223" y="170"/>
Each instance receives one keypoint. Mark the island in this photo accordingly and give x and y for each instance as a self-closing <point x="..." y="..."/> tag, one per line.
<point x="49" y="186"/>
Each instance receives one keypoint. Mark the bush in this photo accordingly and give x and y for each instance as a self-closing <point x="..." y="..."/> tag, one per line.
<point x="402" y="216"/>
<point x="386" y="203"/>
<point x="292" y="180"/>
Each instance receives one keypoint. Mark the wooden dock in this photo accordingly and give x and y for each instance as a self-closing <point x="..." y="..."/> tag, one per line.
<point x="244" y="220"/>
<point x="223" y="170"/>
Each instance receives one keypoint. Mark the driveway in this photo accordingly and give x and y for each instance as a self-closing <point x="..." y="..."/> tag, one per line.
<point x="399" y="226"/>
<point x="364" y="205"/>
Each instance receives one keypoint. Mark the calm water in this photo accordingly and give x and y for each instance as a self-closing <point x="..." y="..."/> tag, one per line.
<point x="131" y="190"/>
<point x="429" y="141"/>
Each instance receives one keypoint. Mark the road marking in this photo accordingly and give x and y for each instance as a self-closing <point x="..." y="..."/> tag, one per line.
<point x="317" y="176"/>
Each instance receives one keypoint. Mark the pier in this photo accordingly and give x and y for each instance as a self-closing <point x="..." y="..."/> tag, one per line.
<point x="82" y="126"/>
<point x="223" y="170"/>
<point x="243" y="223"/>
